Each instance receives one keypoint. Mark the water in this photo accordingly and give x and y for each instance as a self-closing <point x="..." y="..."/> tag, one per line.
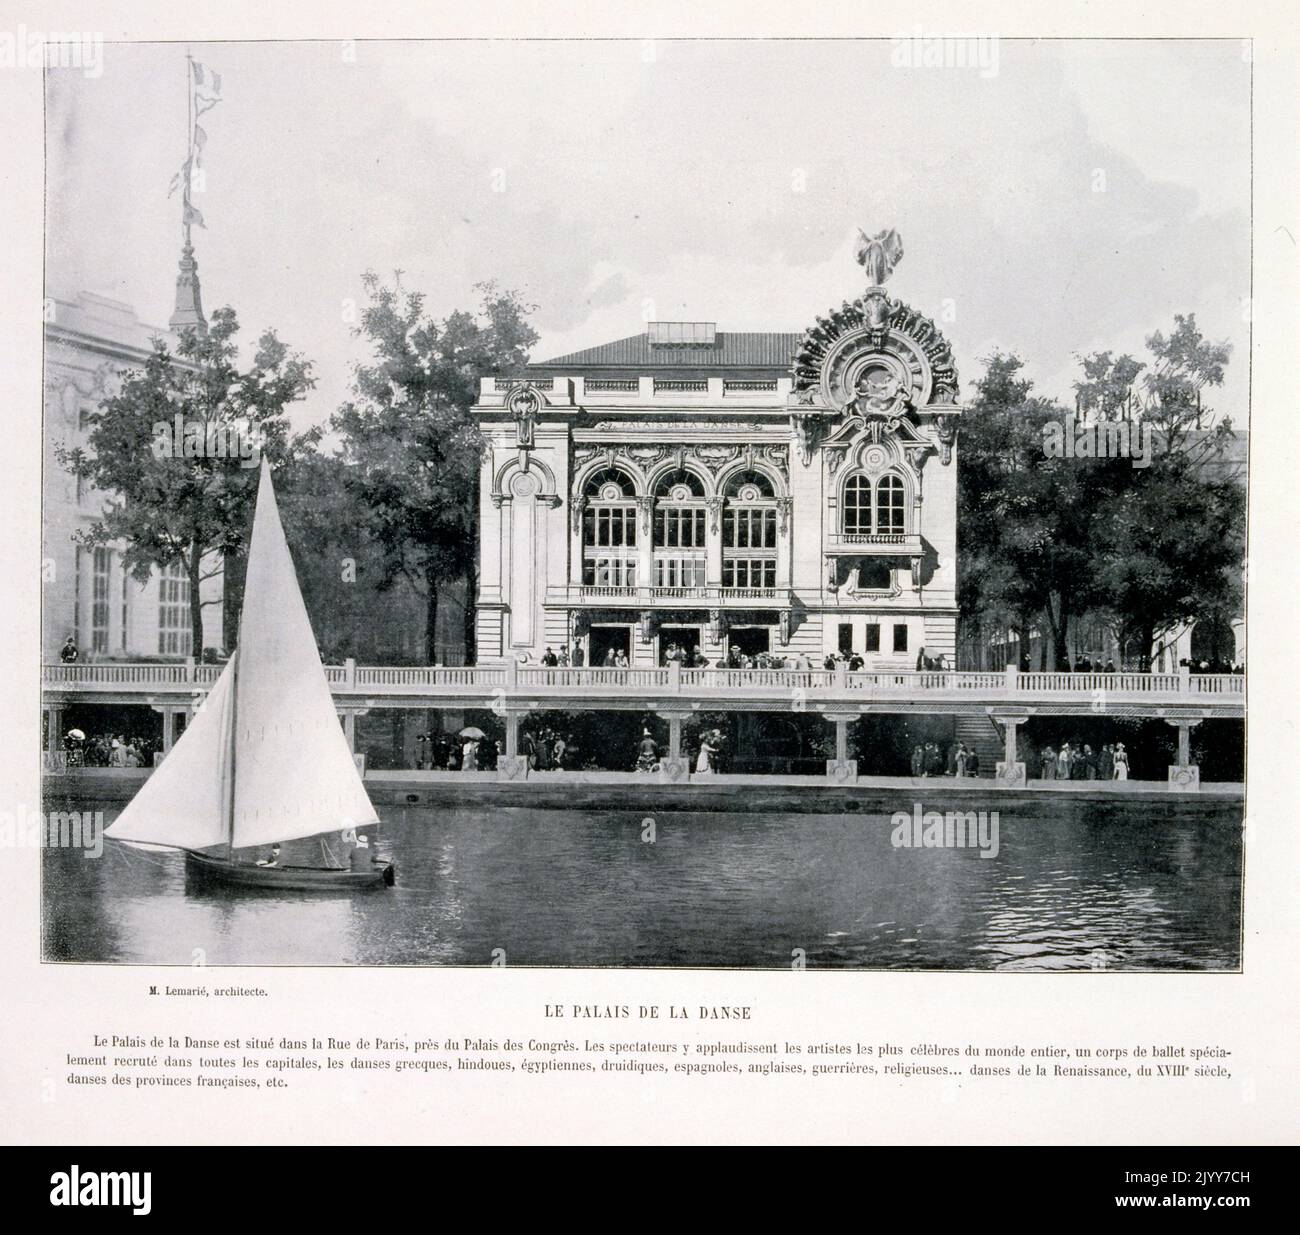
<point x="1083" y="889"/>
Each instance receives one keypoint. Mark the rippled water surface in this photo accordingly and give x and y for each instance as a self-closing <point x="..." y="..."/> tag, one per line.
<point x="1066" y="891"/>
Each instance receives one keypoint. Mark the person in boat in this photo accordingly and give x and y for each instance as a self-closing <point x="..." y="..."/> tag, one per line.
<point x="273" y="860"/>
<point x="361" y="855"/>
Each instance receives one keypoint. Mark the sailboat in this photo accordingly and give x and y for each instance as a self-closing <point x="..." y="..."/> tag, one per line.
<point x="264" y="763"/>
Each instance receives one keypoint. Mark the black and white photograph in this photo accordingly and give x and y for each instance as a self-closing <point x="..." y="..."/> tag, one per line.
<point x="753" y="503"/>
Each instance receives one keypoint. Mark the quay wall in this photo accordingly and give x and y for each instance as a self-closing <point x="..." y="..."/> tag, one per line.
<point x="727" y="794"/>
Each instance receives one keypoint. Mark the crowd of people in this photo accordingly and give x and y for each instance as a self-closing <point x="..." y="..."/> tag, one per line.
<point x="931" y="759"/>
<point x="109" y="750"/>
<point x="1081" y="762"/>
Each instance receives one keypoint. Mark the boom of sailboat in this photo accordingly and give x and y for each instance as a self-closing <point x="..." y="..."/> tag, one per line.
<point x="262" y="789"/>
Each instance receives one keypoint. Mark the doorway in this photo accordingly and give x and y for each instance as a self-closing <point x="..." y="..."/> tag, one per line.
<point x="605" y="642"/>
<point x="749" y="640"/>
<point x="686" y="637"/>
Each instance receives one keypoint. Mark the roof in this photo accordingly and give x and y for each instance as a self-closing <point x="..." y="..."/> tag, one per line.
<point x="752" y="349"/>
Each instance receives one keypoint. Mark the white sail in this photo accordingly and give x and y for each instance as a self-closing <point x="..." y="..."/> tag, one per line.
<point x="183" y="803"/>
<point x="294" y="773"/>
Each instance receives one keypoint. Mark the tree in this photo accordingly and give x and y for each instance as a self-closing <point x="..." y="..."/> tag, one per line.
<point x="409" y="436"/>
<point x="1026" y="520"/>
<point x="175" y="451"/>
<point x="1172" y="537"/>
<point x="1171" y="548"/>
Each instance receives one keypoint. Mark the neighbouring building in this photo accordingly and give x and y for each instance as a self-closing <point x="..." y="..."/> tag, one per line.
<point x="87" y="594"/>
<point x="789" y="492"/>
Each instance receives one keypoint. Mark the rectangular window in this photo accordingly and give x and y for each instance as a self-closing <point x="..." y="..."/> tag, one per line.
<point x="679" y="528"/>
<point x="873" y="637"/>
<point x="846" y="637"/>
<point x="99" y="600"/>
<point x="679" y="572"/>
<point x="605" y="571"/>
<point x="609" y="526"/>
<point x="174" y="637"/>
<point x="875" y="576"/>
<point x="748" y="527"/>
<point x="749" y="572"/>
<point x="900" y="637"/>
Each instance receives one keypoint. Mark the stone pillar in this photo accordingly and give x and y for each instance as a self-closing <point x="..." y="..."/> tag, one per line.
<point x="169" y="729"/>
<point x="842" y="770"/>
<point x="645" y="542"/>
<point x="1010" y="771"/>
<point x="511" y="765"/>
<point x="1184" y="775"/>
<point x="54" y="728"/>
<point x="674" y="766"/>
<point x="713" y="544"/>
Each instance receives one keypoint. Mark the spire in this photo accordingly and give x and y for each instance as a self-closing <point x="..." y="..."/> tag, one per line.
<point x="189" y="300"/>
<point x="202" y="94"/>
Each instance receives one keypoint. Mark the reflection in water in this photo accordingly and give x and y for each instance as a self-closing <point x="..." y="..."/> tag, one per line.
<point x="1069" y="890"/>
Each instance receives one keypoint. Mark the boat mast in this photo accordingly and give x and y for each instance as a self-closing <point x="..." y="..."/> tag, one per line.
<point x="234" y="731"/>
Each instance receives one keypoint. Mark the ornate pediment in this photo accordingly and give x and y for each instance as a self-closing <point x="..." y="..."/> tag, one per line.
<point x="875" y="362"/>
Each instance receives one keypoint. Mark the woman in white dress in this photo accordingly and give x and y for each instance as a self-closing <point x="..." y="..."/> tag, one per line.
<point x="1121" y="762"/>
<point x="704" y="764"/>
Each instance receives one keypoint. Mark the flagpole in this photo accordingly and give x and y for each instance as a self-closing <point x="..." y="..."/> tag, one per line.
<point x="189" y="147"/>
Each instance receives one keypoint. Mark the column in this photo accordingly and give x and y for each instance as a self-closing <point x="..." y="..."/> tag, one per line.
<point x="511" y="765"/>
<point x="645" y="542"/>
<point x="713" y="543"/>
<point x="1184" y="775"/>
<point x="169" y="727"/>
<point x="1010" y="771"/>
<point x="842" y="770"/>
<point x="54" y="728"/>
<point x="674" y="766"/>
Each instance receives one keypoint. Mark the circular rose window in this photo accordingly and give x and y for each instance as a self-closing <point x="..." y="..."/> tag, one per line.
<point x="750" y="493"/>
<point x="610" y="492"/>
<point x="679" y="493"/>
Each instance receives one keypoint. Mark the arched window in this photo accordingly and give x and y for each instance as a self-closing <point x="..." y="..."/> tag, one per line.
<point x="609" y="530"/>
<point x="879" y="509"/>
<point x="679" y="530"/>
<point x="890" y="508"/>
<point x="857" y="504"/>
<point x="749" y="532"/>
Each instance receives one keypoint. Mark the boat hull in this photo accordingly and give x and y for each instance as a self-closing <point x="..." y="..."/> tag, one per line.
<point x="298" y="878"/>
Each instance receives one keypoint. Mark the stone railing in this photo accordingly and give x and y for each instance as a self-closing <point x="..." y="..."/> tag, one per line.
<point x="186" y="678"/>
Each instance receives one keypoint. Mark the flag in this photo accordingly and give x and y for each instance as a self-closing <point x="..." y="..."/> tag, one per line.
<point x="216" y="83"/>
<point x="203" y="103"/>
<point x="198" y="72"/>
<point x="180" y="178"/>
<point x="200" y="140"/>
<point x="193" y="216"/>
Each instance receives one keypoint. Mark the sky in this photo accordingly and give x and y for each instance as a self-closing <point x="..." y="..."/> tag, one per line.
<point x="1068" y="197"/>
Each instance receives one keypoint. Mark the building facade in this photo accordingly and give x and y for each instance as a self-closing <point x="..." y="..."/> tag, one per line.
<point x="87" y="594"/>
<point x="788" y="493"/>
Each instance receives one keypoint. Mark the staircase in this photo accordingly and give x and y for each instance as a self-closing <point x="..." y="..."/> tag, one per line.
<point x="980" y="734"/>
